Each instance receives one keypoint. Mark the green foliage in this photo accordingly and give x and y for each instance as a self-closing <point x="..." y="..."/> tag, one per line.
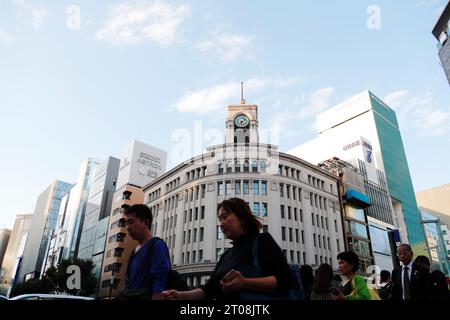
<point x="55" y="280"/>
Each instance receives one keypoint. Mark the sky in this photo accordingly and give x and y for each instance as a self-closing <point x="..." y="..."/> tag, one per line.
<point x="82" y="79"/>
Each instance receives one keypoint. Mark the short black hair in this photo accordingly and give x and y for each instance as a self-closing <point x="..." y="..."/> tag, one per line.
<point x="142" y="212"/>
<point x="351" y="258"/>
<point x="422" y="260"/>
<point x="242" y="210"/>
<point x="384" y="275"/>
<point x="407" y="246"/>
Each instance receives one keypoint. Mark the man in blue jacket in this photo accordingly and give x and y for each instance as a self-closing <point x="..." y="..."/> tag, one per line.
<point x="149" y="263"/>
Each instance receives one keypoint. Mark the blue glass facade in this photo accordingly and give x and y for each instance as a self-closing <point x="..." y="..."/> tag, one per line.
<point x="397" y="172"/>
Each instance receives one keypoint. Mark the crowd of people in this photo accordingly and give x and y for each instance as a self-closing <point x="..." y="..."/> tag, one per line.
<point x="254" y="268"/>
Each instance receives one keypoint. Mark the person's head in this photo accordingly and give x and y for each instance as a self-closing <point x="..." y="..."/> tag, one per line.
<point x="237" y="219"/>
<point x="139" y="221"/>
<point x="405" y="253"/>
<point x="306" y="274"/>
<point x="385" y="276"/>
<point x="324" y="275"/>
<point x="423" y="261"/>
<point x="348" y="262"/>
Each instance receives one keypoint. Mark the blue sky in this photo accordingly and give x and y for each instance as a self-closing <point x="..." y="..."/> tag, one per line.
<point x="82" y="79"/>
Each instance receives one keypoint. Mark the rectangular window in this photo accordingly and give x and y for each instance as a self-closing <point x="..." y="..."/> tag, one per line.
<point x="283" y="233"/>
<point x="195" y="235"/>
<point x="219" y="233"/>
<point x="315" y="239"/>
<point x="245" y="187"/>
<point x="203" y="212"/>
<point x="301" y="215"/>
<point x="282" y="211"/>
<point x="197" y="192"/>
<point x="316" y="260"/>
<point x="326" y="222"/>
<point x="220" y="190"/>
<point x="289" y="212"/>
<point x="328" y="240"/>
<point x="200" y="255"/>
<point x="228" y="187"/>
<point x="192" y="194"/>
<point x="320" y="241"/>
<point x="189" y="236"/>
<point x="311" y="198"/>
<point x="188" y="257"/>
<point x="312" y="218"/>
<point x="303" y="238"/>
<point x="202" y="233"/>
<point x="321" y="221"/>
<point x="294" y="191"/>
<point x="196" y="214"/>
<point x="304" y="257"/>
<point x="203" y="191"/>
<point x="338" y="246"/>
<point x="182" y="258"/>
<point x="290" y="234"/>
<point x="299" y="194"/>
<point x="194" y="256"/>
<point x="264" y="188"/>
<point x="190" y="215"/>
<point x="255" y="187"/>
<point x="317" y="219"/>
<point x="292" y="256"/>
<point x="237" y="187"/>
<point x="324" y="243"/>
<point x="256" y="208"/>
<point x="295" y="214"/>
<point x="184" y="237"/>
<point x="281" y="190"/>
<point x="296" y="235"/>
<point x="288" y="192"/>
<point x="335" y="226"/>
<point x="264" y="209"/>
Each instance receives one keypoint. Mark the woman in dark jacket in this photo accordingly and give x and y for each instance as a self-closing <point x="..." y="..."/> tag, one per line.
<point x="324" y="283"/>
<point x="229" y="280"/>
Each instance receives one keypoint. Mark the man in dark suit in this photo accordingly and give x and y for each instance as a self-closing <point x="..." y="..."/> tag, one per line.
<point x="410" y="281"/>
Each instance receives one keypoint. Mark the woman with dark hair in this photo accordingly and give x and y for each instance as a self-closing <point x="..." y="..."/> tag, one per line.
<point x="234" y="277"/>
<point x="353" y="287"/>
<point x="324" y="283"/>
<point x="307" y="278"/>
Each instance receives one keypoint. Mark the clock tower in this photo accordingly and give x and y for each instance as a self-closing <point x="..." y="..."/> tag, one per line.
<point x="242" y="122"/>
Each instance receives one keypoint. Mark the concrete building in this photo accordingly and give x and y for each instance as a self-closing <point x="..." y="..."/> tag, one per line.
<point x="437" y="200"/>
<point x="367" y="125"/>
<point x="93" y="236"/>
<point x="297" y="202"/>
<point x="441" y="32"/>
<point x="44" y="222"/>
<point x="140" y="164"/>
<point x="21" y="228"/>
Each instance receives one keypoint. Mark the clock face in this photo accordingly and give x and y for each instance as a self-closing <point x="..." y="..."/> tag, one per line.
<point x="241" y="121"/>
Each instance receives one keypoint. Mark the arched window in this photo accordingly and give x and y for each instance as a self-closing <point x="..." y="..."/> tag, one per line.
<point x="229" y="167"/>
<point x="220" y="167"/>
<point x="255" y="166"/>
<point x="246" y="166"/>
<point x="237" y="166"/>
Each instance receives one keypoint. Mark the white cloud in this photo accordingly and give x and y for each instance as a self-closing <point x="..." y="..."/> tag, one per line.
<point x="5" y="37"/>
<point x="227" y="47"/>
<point x="315" y="102"/>
<point x="419" y="112"/>
<point x="37" y="14"/>
<point x="136" y="22"/>
<point x="218" y="96"/>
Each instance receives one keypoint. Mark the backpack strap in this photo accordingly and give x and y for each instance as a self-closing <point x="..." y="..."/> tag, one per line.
<point x="152" y="247"/>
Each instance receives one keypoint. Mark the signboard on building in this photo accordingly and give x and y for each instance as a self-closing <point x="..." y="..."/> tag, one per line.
<point x="141" y="164"/>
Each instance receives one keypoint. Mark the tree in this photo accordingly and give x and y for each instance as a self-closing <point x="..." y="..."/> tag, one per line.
<point x="57" y="280"/>
<point x="62" y="278"/>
